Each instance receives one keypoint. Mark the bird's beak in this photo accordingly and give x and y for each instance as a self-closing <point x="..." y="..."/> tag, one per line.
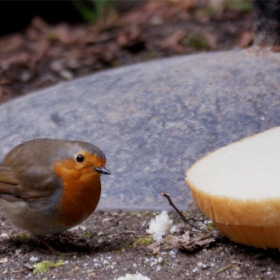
<point x="102" y="170"/>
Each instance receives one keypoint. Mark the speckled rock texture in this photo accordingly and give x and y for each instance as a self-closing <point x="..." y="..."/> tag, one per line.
<point x="154" y="119"/>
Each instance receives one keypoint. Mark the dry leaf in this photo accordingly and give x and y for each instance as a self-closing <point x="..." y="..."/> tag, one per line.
<point x="4" y="260"/>
<point x="172" y="242"/>
<point x="39" y="24"/>
<point x="191" y="243"/>
<point x="28" y="266"/>
<point x="131" y="38"/>
<point x="172" y="42"/>
<point x="11" y="43"/>
<point x="211" y="39"/>
<point x="106" y="220"/>
<point x="154" y="247"/>
<point x="245" y="39"/>
<point x="37" y="29"/>
<point x="186" y="4"/>
<point x="275" y="48"/>
<point x="64" y="34"/>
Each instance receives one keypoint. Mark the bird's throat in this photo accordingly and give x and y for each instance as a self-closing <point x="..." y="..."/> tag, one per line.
<point x="80" y="197"/>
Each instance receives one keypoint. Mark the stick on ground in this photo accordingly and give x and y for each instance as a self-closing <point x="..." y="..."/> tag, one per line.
<point x="179" y="212"/>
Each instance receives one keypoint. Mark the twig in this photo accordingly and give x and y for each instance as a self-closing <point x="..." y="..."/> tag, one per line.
<point x="128" y="232"/>
<point x="179" y="212"/>
<point x="224" y="268"/>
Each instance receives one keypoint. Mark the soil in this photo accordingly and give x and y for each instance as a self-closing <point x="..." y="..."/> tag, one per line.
<point x="111" y="244"/>
<point x="43" y="54"/>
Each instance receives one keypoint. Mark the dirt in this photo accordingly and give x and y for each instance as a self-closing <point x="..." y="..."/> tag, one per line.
<point x="111" y="244"/>
<point x="45" y="54"/>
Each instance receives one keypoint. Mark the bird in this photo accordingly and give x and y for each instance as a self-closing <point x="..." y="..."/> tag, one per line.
<point x="48" y="186"/>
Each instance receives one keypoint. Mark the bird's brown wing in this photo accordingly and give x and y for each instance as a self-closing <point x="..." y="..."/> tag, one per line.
<point x="34" y="183"/>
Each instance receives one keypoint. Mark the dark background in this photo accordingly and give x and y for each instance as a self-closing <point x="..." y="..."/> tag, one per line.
<point x="16" y="15"/>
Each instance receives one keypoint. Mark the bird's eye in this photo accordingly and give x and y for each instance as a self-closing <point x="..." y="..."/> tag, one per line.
<point x="79" y="158"/>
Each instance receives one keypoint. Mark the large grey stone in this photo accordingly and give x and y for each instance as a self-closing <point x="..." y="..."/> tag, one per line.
<point x="153" y="120"/>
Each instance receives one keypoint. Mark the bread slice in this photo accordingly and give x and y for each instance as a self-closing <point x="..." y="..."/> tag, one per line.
<point x="238" y="187"/>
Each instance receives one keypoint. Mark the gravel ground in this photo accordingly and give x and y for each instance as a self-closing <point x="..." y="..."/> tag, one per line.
<point x="112" y="244"/>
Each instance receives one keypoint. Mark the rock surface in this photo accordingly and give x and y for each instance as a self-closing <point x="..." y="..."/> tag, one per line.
<point x="154" y="119"/>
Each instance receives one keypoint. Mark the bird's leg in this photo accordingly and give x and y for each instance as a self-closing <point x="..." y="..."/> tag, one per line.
<point x="52" y="249"/>
<point x="69" y="236"/>
<point x="48" y="246"/>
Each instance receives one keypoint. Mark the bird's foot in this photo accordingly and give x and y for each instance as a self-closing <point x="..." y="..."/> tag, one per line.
<point x="47" y="245"/>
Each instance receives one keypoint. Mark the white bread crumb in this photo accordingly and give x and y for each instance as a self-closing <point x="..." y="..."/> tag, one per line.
<point x="160" y="226"/>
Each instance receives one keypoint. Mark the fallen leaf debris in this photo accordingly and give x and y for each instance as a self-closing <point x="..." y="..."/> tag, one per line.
<point x="45" y="54"/>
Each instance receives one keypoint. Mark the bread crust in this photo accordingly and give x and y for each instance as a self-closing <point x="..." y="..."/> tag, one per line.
<point x="259" y="237"/>
<point x="253" y="218"/>
<point x="225" y="210"/>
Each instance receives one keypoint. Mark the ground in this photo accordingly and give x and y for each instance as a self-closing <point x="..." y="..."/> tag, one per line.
<point x="44" y="54"/>
<point x="110" y="244"/>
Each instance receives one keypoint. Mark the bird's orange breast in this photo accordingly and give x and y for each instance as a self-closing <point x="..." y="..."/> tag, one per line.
<point x="80" y="195"/>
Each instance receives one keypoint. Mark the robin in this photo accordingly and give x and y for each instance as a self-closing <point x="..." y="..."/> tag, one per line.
<point x="48" y="186"/>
